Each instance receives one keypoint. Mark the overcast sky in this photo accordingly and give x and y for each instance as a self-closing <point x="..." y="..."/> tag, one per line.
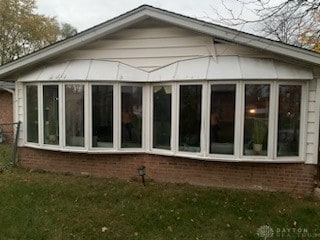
<point x="84" y="14"/>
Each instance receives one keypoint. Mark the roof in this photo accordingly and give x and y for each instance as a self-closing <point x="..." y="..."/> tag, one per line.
<point x="144" y="12"/>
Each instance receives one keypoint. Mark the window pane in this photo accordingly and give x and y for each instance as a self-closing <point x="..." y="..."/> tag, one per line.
<point x="51" y="114"/>
<point x="190" y="118"/>
<point x="102" y="116"/>
<point x="222" y="119"/>
<point x="32" y="114"/>
<point x="289" y="120"/>
<point x="256" y="119"/>
<point x="131" y="117"/>
<point x="162" y="117"/>
<point x="74" y="101"/>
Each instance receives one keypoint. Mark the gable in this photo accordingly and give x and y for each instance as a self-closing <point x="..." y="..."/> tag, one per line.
<point x="146" y="47"/>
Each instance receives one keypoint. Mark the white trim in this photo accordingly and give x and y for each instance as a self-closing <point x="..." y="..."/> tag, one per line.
<point x="317" y="121"/>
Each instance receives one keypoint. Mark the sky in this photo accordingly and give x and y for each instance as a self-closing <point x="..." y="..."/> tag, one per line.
<point x="84" y="14"/>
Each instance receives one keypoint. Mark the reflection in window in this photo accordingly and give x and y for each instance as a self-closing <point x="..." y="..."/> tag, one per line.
<point x="222" y="119"/>
<point x="131" y="117"/>
<point x="190" y="118"/>
<point x="102" y="116"/>
<point x="162" y="117"/>
<point x="51" y="114"/>
<point x="289" y="120"/>
<point x="256" y="119"/>
<point x="74" y="103"/>
<point x="32" y="114"/>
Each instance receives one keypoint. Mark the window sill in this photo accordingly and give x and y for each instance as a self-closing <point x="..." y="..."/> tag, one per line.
<point x="197" y="156"/>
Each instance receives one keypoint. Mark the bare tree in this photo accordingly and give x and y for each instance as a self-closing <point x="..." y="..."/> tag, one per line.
<point x="295" y="22"/>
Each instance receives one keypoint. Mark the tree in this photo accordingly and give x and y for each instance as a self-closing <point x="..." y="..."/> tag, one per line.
<point x="23" y="31"/>
<point x="67" y="30"/>
<point x="293" y="22"/>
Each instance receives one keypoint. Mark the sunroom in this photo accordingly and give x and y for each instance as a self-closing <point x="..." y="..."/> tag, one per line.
<point x="256" y="112"/>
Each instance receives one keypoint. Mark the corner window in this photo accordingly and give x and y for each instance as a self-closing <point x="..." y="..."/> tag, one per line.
<point x="190" y="118"/>
<point x="102" y="116"/>
<point x="256" y="119"/>
<point x="51" y="114"/>
<point x="131" y="117"/>
<point x="162" y="117"/>
<point x="222" y="113"/>
<point x="74" y="112"/>
<point x="289" y="120"/>
<point x="32" y="114"/>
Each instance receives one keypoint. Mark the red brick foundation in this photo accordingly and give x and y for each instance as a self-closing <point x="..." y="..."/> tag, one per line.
<point x="296" y="178"/>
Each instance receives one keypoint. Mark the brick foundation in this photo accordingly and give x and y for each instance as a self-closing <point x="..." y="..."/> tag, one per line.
<point x="295" y="178"/>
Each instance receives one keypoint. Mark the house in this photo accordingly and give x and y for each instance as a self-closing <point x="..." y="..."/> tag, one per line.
<point x="190" y="100"/>
<point x="6" y="111"/>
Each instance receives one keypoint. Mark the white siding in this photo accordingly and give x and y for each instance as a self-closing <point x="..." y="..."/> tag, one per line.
<point x="147" y="48"/>
<point x="20" y="111"/>
<point x="312" y="119"/>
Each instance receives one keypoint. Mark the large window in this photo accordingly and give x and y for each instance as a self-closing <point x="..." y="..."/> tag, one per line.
<point x="32" y="114"/>
<point x="256" y="119"/>
<point x="102" y="116"/>
<point x="289" y="120"/>
<point x="131" y="117"/>
<point x="51" y="114"/>
<point x="247" y="120"/>
<point x="222" y="113"/>
<point x="74" y="112"/>
<point x="190" y="118"/>
<point x="162" y="117"/>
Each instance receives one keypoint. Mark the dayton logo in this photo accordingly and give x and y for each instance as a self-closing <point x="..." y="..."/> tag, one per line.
<point x="265" y="232"/>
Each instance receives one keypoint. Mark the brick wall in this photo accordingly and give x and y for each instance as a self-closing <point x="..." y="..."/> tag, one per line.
<point x="295" y="178"/>
<point x="6" y="114"/>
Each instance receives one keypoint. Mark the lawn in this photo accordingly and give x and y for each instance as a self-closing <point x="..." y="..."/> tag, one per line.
<point x="38" y="205"/>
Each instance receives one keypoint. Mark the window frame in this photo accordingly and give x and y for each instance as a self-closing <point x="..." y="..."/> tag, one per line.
<point x="203" y="152"/>
<point x="270" y="122"/>
<point x="147" y="120"/>
<point x="115" y="119"/>
<point x="303" y="122"/>
<point x="57" y="146"/>
<point x="236" y="150"/>
<point x="172" y="132"/>
<point x="25" y="125"/>
<point x="144" y="118"/>
<point x="85" y="119"/>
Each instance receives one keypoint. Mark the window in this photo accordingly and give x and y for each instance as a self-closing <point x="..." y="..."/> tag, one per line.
<point x="102" y="116"/>
<point x="256" y="119"/>
<point x="269" y="124"/>
<point x="190" y="118"/>
<point x="51" y="114"/>
<point x="289" y="120"/>
<point x="162" y="117"/>
<point x="222" y="113"/>
<point x="74" y="112"/>
<point x="131" y="117"/>
<point x="32" y="114"/>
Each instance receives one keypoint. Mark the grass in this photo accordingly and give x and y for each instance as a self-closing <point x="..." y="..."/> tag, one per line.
<point x="37" y="205"/>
